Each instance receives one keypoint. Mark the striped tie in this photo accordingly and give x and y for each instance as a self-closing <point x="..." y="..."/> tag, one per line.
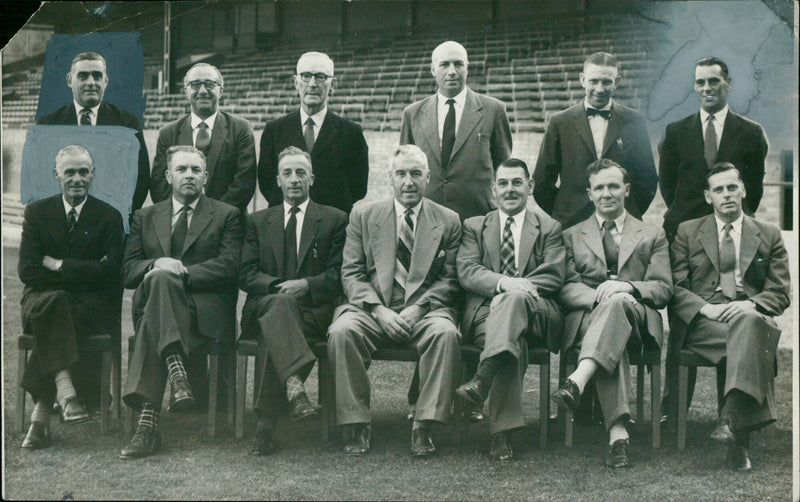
<point x="507" y="265"/>
<point x="405" y="245"/>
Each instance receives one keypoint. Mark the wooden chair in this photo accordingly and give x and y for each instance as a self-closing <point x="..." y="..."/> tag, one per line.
<point x="686" y="360"/>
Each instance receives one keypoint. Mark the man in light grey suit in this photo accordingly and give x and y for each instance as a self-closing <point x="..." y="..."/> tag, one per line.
<point x="399" y="277"/>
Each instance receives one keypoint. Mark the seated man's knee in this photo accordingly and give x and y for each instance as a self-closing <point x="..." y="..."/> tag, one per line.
<point x="444" y="331"/>
<point x="340" y="329"/>
<point x="161" y="277"/>
<point x="278" y="300"/>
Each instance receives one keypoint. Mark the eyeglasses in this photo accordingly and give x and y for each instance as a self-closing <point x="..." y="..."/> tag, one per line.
<point x="210" y="84"/>
<point x="321" y="78"/>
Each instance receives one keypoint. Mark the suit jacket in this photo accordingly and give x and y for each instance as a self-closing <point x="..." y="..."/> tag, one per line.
<point x="340" y="159"/>
<point x="92" y="254"/>
<point x="211" y="254"/>
<point x="682" y="166"/>
<point x="231" y="162"/>
<point x="643" y="262"/>
<point x="369" y="257"/>
<point x="541" y="257"/>
<point x="483" y="141"/>
<point x="109" y="114"/>
<point x="568" y="148"/>
<point x="319" y="260"/>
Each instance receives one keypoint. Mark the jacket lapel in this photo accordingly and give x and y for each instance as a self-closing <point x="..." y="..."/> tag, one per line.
<point x="430" y="131"/>
<point x="103" y="117"/>
<point x="470" y="118"/>
<point x="696" y="143"/>
<point x="327" y="131"/>
<point x="58" y="220"/>
<point x="203" y="214"/>
<point x="707" y="235"/>
<point x="614" y="126"/>
<point x="491" y="239"/>
<point x="426" y="243"/>
<point x="592" y="239"/>
<point x="185" y="132"/>
<point x="530" y="232"/>
<point x="275" y="233"/>
<point x="162" y="223"/>
<point x="382" y="241"/>
<point x="581" y="124"/>
<point x="309" y="231"/>
<point x="730" y="133"/>
<point x="631" y="235"/>
<point x="218" y="137"/>
<point x="751" y="238"/>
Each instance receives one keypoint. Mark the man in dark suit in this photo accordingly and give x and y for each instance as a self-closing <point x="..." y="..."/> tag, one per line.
<point x="597" y="128"/>
<point x="88" y="80"/>
<point x="338" y="150"/>
<point x="225" y="139"/>
<point x="511" y="263"/>
<point x="182" y="258"/>
<point x="399" y="277"/>
<point x="618" y="276"/>
<point x="291" y="261"/>
<point x="691" y="147"/>
<point x="731" y="275"/>
<point x="465" y="135"/>
<point x="69" y="260"/>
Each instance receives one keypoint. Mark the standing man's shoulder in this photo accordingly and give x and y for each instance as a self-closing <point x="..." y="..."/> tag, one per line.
<point x="235" y="120"/>
<point x="117" y="116"/>
<point x="683" y="123"/>
<point x="486" y="100"/>
<point x="626" y="112"/>
<point x="416" y="106"/>
<point x="745" y="122"/>
<point x="172" y="128"/>
<point x="282" y="121"/>
<point x="57" y="117"/>
<point x="567" y="113"/>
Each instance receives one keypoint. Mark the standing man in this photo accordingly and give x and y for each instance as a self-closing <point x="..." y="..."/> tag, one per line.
<point x="465" y="135"/>
<point x="399" y="277"/>
<point x="731" y="275"/>
<point x="291" y="272"/>
<point x="696" y="143"/>
<point x="182" y="258"/>
<point x="224" y="139"/>
<point x="337" y="147"/>
<point x="88" y="80"/>
<point x="618" y="276"/>
<point x="69" y="260"/>
<point x="511" y="263"/>
<point x="597" y="128"/>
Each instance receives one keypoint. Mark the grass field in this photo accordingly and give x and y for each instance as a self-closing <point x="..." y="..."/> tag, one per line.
<point x="83" y="464"/>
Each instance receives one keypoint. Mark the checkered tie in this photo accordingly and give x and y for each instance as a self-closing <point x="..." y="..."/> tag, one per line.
<point x="405" y="245"/>
<point x="86" y="116"/>
<point x="507" y="265"/>
<point x="72" y="219"/>
<point x="727" y="263"/>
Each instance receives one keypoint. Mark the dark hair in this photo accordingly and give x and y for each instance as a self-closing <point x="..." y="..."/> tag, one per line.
<point x="598" y="165"/>
<point x="712" y="61"/>
<point x="89" y="56"/>
<point x="601" y="59"/>
<point x="721" y="167"/>
<point x="513" y="163"/>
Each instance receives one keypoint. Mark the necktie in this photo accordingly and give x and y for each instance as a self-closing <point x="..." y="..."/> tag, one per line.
<point x="179" y="233"/>
<point x="308" y="134"/>
<point x="203" y="139"/>
<point x="72" y="219"/>
<point x="405" y="246"/>
<point x="710" y="140"/>
<point x="86" y="116"/>
<point x="448" y="133"/>
<point x="606" y="114"/>
<point x="507" y="264"/>
<point x="610" y="247"/>
<point x="290" y="245"/>
<point x="727" y="263"/>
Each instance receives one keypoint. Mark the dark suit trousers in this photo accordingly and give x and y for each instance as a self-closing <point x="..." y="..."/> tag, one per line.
<point x="507" y="323"/>
<point x="163" y="314"/>
<point x="282" y="326"/>
<point x="58" y="321"/>
<point x="604" y="335"/>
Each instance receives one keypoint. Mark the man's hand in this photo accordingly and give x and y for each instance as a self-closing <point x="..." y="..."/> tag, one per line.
<point x="170" y="265"/>
<point x="518" y="284"/>
<point x="392" y="324"/>
<point x="725" y="312"/>
<point x="412" y="314"/>
<point x="296" y="287"/>
<point x="610" y="288"/>
<point x="51" y="263"/>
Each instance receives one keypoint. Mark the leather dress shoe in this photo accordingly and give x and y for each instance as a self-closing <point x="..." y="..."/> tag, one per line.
<point x="38" y="437"/>
<point x="144" y="443"/>
<point x="619" y="454"/>
<point x="301" y="408"/>
<point x="567" y="395"/>
<point x="264" y="442"/>
<point x="73" y="412"/>
<point x="356" y="439"/>
<point x="501" y="447"/>
<point x="474" y="391"/>
<point x="421" y="443"/>
<point x="724" y="431"/>
<point x="181" y="398"/>
<point x="739" y="459"/>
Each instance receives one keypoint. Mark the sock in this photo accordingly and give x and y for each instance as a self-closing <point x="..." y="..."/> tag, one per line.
<point x="177" y="371"/>
<point x="64" y="387"/>
<point x="736" y="402"/>
<point x="490" y="366"/>
<point x="41" y="412"/>
<point x="617" y="432"/>
<point x="419" y="425"/>
<point x="583" y="373"/>
<point x="742" y="439"/>
<point x="294" y="387"/>
<point x="148" y="418"/>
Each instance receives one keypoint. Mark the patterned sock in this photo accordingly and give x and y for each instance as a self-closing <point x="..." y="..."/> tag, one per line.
<point x="294" y="387"/>
<point x="584" y="372"/>
<point x="617" y="432"/>
<point x="148" y="418"/>
<point x="177" y="371"/>
<point x="42" y="411"/>
<point x="64" y="387"/>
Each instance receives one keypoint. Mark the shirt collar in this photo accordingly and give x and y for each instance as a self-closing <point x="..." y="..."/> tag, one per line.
<point x="195" y="121"/>
<point x="318" y="117"/>
<point x="400" y="209"/>
<point x="78" y="208"/>
<point x="519" y="218"/>
<point x="586" y="105"/>
<point x="737" y="224"/>
<point x="176" y="206"/>
<point x="303" y="205"/>
<point x="459" y="98"/>
<point x="78" y="109"/>
<point x="720" y="115"/>
<point x="619" y="222"/>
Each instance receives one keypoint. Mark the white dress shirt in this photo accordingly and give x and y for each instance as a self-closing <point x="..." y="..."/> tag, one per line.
<point x="400" y="214"/>
<point x="195" y="122"/>
<point x="300" y="217"/>
<point x="718" y="121"/>
<point x="318" y="118"/>
<point x="176" y="211"/>
<point x="616" y="230"/>
<point x="736" y="235"/>
<point x="442" y="108"/>
<point x="92" y="115"/>
<point x="78" y="208"/>
<point x="598" y="126"/>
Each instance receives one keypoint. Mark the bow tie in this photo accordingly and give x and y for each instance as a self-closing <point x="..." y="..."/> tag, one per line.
<point x="606" y="114"/>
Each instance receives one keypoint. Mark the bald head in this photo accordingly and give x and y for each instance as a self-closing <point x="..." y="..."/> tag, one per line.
<point x="449" y="68"/>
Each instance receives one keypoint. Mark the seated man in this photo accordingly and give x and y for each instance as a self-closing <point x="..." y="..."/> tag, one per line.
<point x="731" y="275"/>
<point x="511" y="263"/>
<point x="618" y="277"/>
<point x="399" y="277"/>
<point x="291" y="261"/>
<point x="182" y="257"/>
<point x="69" y="260"/>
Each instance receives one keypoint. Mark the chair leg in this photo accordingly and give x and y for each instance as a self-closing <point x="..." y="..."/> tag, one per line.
<point x="640" y="370"/>
<point x="569" y="417"/>
<point x="683" y="390"/>
<point x="213" y="394"/>
<point x="327" y="398"/>
<point x="116" y="384"/>
<point x="544" y="402"/>
<point x="655" y="404"/>
<point x="22" y="361"/>
<point x="230" y="378"/>
<point x="241" y="393"/>
<point x="130" y="413"/>
<point x="105" y="391"/>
